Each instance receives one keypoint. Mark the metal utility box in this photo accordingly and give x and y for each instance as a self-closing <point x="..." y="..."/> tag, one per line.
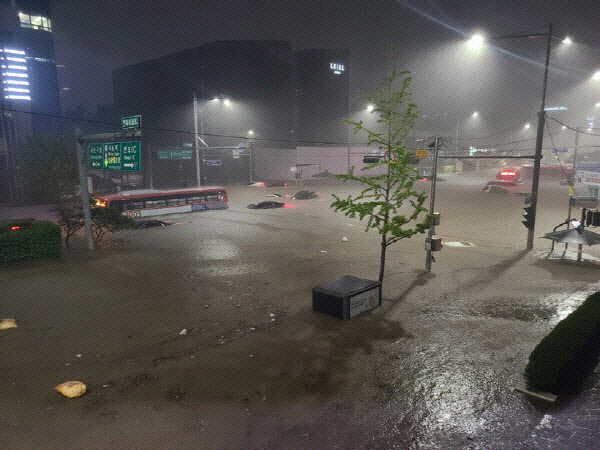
<point x="434" y="244"/>
<point x="346" y="297"/>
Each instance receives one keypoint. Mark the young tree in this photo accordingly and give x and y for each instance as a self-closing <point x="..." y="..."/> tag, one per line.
<point x="384" y="195"/>
<point x="108" y="220"/>
<point x="104" y="220"/>
<point x="70" y="218"/>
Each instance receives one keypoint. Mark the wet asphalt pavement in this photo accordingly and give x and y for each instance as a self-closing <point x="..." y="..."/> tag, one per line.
<point x="434" y="367"/>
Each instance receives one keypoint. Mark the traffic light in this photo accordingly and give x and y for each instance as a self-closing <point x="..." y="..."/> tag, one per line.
<point x="592" y="218"/>
<point x="529" y="217"/>
<point x="370" y="159"/>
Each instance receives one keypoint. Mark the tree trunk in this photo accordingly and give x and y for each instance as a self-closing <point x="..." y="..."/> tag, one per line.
<point x="382" y="259"/>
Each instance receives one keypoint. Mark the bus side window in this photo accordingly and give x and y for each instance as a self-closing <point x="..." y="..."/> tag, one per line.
<point x="117" y="204"/>
<point x="196" y="199"/>
<point x="176" y="200"/>
<point x="133" y="204"/>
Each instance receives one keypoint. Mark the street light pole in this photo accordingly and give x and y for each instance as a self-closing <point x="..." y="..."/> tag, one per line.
<point x="430" y="234"/>
<point x="538" y="146"/>
<point x="198" y="179"/>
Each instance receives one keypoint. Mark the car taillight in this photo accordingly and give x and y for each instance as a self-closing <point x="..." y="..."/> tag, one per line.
<point x="101" y="203"/>
<point x="19" y="227"/>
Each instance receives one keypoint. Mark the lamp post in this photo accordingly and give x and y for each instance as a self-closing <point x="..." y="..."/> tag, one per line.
<point x="538" y="145"/>
<point x="477" y="40"/>
<point x="198" y="179"/>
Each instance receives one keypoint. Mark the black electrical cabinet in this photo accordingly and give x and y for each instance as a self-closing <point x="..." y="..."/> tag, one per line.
<point x="346" y="297"/>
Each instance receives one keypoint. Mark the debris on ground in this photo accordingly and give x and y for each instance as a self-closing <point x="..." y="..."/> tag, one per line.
<point x="7" y="323"/>
<point x="71" y="389"/>
<point x="78" y="355"/>
<point x="183" y="332"/>
<point x="344" y="239"/>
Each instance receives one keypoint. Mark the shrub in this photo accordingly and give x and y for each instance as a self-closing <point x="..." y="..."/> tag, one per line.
<point x="559" y="357"/>
<point x="35" y="239"/>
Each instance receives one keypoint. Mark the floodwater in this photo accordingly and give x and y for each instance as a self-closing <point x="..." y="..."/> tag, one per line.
<point x="434" y="367"/>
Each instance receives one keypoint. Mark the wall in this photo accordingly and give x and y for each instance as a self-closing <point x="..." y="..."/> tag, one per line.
<point x="275" y="163"/>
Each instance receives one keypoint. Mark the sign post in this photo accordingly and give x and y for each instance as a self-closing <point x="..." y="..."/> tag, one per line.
<point x="421" y="153"/>
<point x="124" y="156"/>
<point x="131" y="122"/>
<point x="176" y="154"/>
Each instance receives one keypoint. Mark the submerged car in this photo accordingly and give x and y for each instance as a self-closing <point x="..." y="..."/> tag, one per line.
<point x="305" y="195"/>
<point x="268" y="204"/>
<point x="504" y="187"/>
<point x="151" y="223"/>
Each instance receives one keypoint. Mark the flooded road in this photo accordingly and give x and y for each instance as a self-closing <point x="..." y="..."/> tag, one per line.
<point x="434" y="367"/>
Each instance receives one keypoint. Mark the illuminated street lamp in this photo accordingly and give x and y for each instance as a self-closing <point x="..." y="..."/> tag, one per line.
<point x="227" y="102"/>
<point x="567" y="40"/>
<point x="250" y="132"/>
<point x="370" y="108"/>
<point x="476" y="42"/>
<point x="527" y="126"/>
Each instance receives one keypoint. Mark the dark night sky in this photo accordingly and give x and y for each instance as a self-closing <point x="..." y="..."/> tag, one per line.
<point x="93" y="38"/>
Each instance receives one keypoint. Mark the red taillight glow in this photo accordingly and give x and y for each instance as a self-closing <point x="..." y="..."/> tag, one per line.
<point x="19" y="227"/>
<point x="288" y="205"/>
<point x="101" y="203"/>
<point x="512" y="174"/>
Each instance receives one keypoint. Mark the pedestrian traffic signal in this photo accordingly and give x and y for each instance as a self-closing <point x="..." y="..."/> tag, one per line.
<point x="529" y="215"/>
<point x="592" y="218"/>
<point x="370" y="159"/>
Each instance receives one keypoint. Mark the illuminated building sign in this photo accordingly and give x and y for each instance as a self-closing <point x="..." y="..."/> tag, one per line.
<point x="337" y="68"/>
<point x="14" y="86"/>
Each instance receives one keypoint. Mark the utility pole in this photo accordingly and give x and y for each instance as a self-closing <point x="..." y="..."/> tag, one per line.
<point x="150" y="177"/>
<point x="538" y="146"/>
<point x="250" y="156"/>
<point x="83" y="187"/>
<point x="431" y="233"/>
<point x="198" y="179"/>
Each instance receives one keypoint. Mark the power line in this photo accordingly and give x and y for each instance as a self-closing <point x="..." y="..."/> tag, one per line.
<point x="497" y="133"/>
<point x="500" y="157"/>
<point x="572" y="128"/>
<point x="169" y="130"/>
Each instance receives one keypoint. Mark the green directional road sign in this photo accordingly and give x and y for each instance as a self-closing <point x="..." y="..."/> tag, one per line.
<point x="131" y="155"/>
<point x="175" y="154"/>
<point x="126" y="156"/>
<point x="96" y="156"/>
<point x="131" y="122"/>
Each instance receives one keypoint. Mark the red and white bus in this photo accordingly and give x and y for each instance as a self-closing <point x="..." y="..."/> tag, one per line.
<point x="149" y="202"/>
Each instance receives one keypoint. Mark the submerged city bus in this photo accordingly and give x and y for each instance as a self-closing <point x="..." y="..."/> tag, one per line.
<point x="150" y="202"/>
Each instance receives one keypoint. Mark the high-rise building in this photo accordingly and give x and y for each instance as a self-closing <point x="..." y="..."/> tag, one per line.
<point x="245" y="89"/>
<point x="322" y="89"/>
<point x="28" y="84"/>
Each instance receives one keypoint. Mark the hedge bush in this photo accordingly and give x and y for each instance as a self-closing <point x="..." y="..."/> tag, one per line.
<point x="569" y="352"/>
<point x="38" y="239"/>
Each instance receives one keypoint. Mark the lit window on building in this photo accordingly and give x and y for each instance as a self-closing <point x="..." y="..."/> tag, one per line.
<point x="35" y="22"/>
<point x="13" y="72"/>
